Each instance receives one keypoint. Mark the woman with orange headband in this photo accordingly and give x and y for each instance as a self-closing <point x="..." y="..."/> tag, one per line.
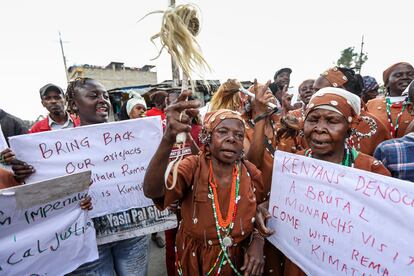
<point x="330" y="116"/>
<point x="370" y="131"/>
<point x="218" y="191"/>
<point x="394" y="110"/>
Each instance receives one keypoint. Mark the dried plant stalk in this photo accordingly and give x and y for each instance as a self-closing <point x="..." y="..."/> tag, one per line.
<point x="179" y="27"/>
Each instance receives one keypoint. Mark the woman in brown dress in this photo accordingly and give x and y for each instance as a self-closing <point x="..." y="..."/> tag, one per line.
<point x="262" y="126"/>
<point x="370" y="131"/>
<point x="218" y="192"/>
<point x="329" y="119"/>
<point x="394" y="110"/>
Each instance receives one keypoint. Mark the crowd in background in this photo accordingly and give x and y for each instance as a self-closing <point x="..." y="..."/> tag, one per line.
<point x="220" y="183"/>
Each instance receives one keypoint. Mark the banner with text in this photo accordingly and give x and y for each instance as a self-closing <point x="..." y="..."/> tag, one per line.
<point x="117" y="154"/>
<point x="43" y="230"/>
<point x="3" y="143"/>
<point x="133" y="223"/>
<point x="335" y="220"/>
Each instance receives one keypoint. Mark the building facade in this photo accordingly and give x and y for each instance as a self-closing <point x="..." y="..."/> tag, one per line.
<point x="115" y="74"/>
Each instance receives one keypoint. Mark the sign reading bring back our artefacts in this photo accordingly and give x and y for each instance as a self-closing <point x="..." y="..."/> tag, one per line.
<point x="117" y="154"/>
<point x="334" y="220"/>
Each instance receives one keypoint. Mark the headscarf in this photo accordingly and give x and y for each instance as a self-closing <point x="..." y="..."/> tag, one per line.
<point x="337" y="100"/>
<point x="370" y="84"/>
<point x="214" y="118"/>
<point x="387" y="73"/>
<point x="136" y="99"/>
<point x="335" y="77"/>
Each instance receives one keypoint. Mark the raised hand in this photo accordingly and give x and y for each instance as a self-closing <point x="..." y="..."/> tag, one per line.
<point x="263" y="96"/>
<point x="179" y="115"/>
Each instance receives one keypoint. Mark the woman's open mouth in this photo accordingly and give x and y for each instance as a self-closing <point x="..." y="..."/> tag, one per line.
<point x="103" y="110"/>
<point x="229" y="152"/>
<point x="319" y="143"/>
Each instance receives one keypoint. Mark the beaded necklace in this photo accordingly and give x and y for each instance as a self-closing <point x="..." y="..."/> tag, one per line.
<point x="348" y="160"/>
<point x="225" y="242"/>
<point x="394" y="129"/>
<point x="223" y="257"/>
<point x="224" y="223"/>
<point x="358" y="136"/>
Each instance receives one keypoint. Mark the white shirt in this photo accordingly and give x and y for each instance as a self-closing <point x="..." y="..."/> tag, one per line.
<point x="54" y="126"/>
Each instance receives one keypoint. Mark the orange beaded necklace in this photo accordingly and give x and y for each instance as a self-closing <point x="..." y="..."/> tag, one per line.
<point x="224" y="223"/>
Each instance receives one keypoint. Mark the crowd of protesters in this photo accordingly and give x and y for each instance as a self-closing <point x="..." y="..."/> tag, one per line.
<point x="220" y="188"/>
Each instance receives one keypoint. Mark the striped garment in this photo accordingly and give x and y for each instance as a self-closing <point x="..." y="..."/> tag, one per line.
<point x="397" y="155"/>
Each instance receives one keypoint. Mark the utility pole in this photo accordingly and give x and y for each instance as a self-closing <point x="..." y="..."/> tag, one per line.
<point x="64" y="58"/>
<point x="174" y="68"/>
<point x="360" y="55"/>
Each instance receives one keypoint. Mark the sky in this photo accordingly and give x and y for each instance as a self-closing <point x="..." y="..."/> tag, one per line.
<point x="240" y="39"/>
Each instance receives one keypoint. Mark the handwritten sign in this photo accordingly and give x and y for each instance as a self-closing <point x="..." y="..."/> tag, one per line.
<point x="334" y="220"/>
<point x="43" y="230"/>
<point x="117" y="154"/>
<point x="3" y="143"/>
<point x="133" y="223"/>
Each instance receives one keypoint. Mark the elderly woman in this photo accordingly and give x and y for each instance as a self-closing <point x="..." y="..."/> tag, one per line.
<point x="329" y="118"/>
<point x="370" y="131"/>
<point x="394" y="110"/>
<point x="217" y="191"/>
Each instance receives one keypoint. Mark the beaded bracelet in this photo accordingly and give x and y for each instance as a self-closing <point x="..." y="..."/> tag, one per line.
<point x="256" y="235"/>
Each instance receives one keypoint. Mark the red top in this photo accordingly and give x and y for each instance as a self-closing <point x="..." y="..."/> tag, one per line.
<point x="43" y="125"/>
<point x="157" y="112"/>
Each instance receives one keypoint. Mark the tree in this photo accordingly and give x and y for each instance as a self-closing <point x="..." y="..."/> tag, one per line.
<point x="350" y="59"/>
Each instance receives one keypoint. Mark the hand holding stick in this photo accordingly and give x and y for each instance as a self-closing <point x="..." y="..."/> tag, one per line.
<point x="250" y="94"/>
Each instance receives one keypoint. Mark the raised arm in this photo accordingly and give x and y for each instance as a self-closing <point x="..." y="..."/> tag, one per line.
<point x="256" y="149"/>
<point x="154" y="186"/>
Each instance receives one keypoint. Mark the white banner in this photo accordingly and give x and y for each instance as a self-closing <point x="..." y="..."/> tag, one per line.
<point x="334" y="220"/>
<point x="117" y="154"/>
<point x="43" y="230"/>
<point x="3" y="143"/>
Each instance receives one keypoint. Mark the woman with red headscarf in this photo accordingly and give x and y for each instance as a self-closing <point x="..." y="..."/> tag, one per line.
<point x="394" y="110"/>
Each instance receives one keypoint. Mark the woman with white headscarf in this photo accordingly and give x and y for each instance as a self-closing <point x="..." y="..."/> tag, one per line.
<point x="330" y="117"/>
<point x="136" y="107"/>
